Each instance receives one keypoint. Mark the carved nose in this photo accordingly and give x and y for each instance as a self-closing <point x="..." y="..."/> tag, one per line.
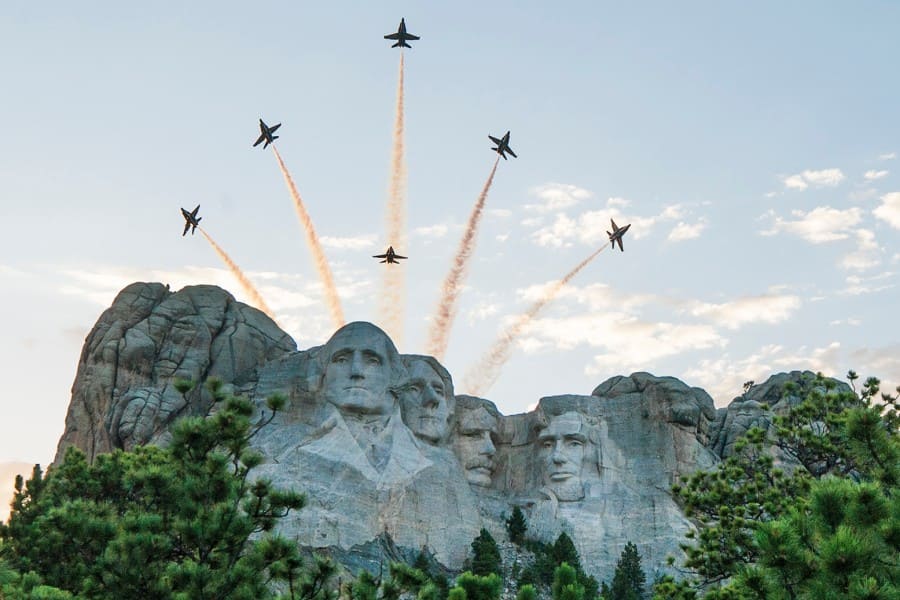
<point x="430" y="398"/>
<point x="488" y="446"/>
<point x="356" y="369"/>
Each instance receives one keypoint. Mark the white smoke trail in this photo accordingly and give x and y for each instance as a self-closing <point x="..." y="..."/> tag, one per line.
<point x="484" y="374"/>
<point x="391" y="310"/>
<point x="315" y="247"/>
<point x="249" y="289"/>
<point x="439" y="332"/>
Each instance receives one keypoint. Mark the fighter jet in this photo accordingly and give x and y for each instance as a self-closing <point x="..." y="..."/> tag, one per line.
<point x="265" y="133"/>
<point x="401" y="36"/>
<point x="191" y="220"/>
<point x="502" y="146"/>
<point x="616" y="235"/>
<point x="390" y="256"/>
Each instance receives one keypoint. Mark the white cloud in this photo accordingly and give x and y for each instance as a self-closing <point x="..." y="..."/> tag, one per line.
<point x="502" y="237"/>
<point x="851" y="321"/>
<point x="889" y="211"/>
<point x="499" y="212"/>
<point x="723" y="378"/>
<point x="769" y="308"/>
<point x="872" y="174"/>
<point x="360" y="242"/>
<point x="482" y="311"/>
<point x="431" y="231"/>
<point x="554" y="197"/>
<point x="888" y="156"/>
<point x="866" y="254"/>
<point x="590" y="227"/>
<point x="795" y="182"/>
<point x="857" y="286"/>
<point x="617" y="202"/>
<point x="820" y="225"/>
<point x="684" y="231"/>
<point x="822" y="178"/>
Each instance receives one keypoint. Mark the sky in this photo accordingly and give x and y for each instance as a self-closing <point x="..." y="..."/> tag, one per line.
<point x="754" y="148"/>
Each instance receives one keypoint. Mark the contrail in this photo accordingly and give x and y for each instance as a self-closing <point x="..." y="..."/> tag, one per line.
<point x="439" y="331"/>
<point x="483" y="375"/>
<point x="312" y="240"/>
<point x="249" y="288"/>
<point x="391" y="302"/>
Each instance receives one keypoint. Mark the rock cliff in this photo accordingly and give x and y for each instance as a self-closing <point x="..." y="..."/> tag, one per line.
<point x="392" y="460"/>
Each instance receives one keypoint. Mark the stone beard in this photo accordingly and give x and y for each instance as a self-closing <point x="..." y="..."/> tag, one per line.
<point x="561" y="448"/>
<point x="474" y="445"/>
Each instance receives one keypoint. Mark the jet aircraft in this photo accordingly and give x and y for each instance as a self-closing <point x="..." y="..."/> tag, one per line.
<point x="265" y="133"/>
<point x="502" y="146"/>
<point x="190" y="220"/>
<point x="401" y="36"/>
<point x="616" y="235"/>
<point x="390" y="256"/>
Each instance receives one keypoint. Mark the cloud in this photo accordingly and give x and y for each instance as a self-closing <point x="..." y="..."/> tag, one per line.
<point x="431" y="231"/>
<point x="769" y="308"/>
<point x="820" y="225"/>
<point x="866" y="254"/>
<point x="360" y="242"/>
<point x="889" y="211"/>
<point x="501" y="213"/>
<point x="501" y="237"/>
<point x="872" y="174"/>
<point x="683" y="231"/>
<point x="482" y="311"/>
<point x="851" y="321"/>
<point x="590" y="227"/>
<point x="617" y="202"/>
<point x="888" y="156"/>
<point x="554" y="197"/>
<point x="724" y="377"/>
<point x="823" y="178"/>
<point x="857" y="286"/>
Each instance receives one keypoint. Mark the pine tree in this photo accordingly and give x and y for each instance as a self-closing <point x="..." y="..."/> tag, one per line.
<point x="478" y="587"/>
<point x="516" y="526"/>
<point x="565" y="584"/>
<point x="527" y="592"/>
<point x="153" y="523"/>
<point x="486" y="554"/>
<point x="564" y="551"/>
<point x="629" y="580"/>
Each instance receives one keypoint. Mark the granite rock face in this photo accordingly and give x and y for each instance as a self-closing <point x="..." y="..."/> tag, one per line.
<point x="123" y="394"/>
<point x="394" y="462"/>
<point x="757" y="405"/>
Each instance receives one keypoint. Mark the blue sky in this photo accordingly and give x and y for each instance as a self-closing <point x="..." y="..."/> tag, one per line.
<point x="753" y="147"/>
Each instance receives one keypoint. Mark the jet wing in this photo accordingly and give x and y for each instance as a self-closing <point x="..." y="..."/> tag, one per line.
<point x="513" y="154"/>
<point x="392" y="36"/>
<point x="410" y="36"/>
<point x="273" y="128"/>
<point x="614" y="226"/>
<point x="620" y="244"/>
<point x="379" y="256"/>
<point x="186" y="227"/>
<point x="495" y="140"/>
<point x="194" y="212"/>
<point x="259" y="141"/>
<point x="398" y="256"/>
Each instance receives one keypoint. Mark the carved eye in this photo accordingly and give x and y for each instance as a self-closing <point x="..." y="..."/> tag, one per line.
<point x="547" y="444"/>
<point x="372" y="359"/>
<point x="438" y="389"/>
<point x="339" y="358"/>
<point x="574" y="443"/>
<point x="415" y="388"/>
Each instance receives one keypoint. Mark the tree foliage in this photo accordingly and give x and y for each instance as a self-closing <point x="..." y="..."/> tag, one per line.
<point x="828" y="526"/>
<point x="181" y="522"/>
<point x="516" y="526"/>
<point x="485" y="554"/>
<point x="565" y="583"/>
<point x="629" y="581"/>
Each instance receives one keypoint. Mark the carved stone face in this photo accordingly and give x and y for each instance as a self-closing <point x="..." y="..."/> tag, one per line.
<point x="357" y="373"/>
<point x="561" y="446"/>
<point x="426" y="410"/>
<point x="474" y="445"/>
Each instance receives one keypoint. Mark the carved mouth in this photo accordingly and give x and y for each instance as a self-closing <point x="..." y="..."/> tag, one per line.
<point x="561" y="476"/>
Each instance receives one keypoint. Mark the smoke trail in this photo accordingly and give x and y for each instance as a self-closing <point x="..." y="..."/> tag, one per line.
<point x="249" y="288"/>
<point x="391" y="305"/>
<point x="312" y="240"/>
<point x="439" y="331"/>
<point x="484" y="374"/>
